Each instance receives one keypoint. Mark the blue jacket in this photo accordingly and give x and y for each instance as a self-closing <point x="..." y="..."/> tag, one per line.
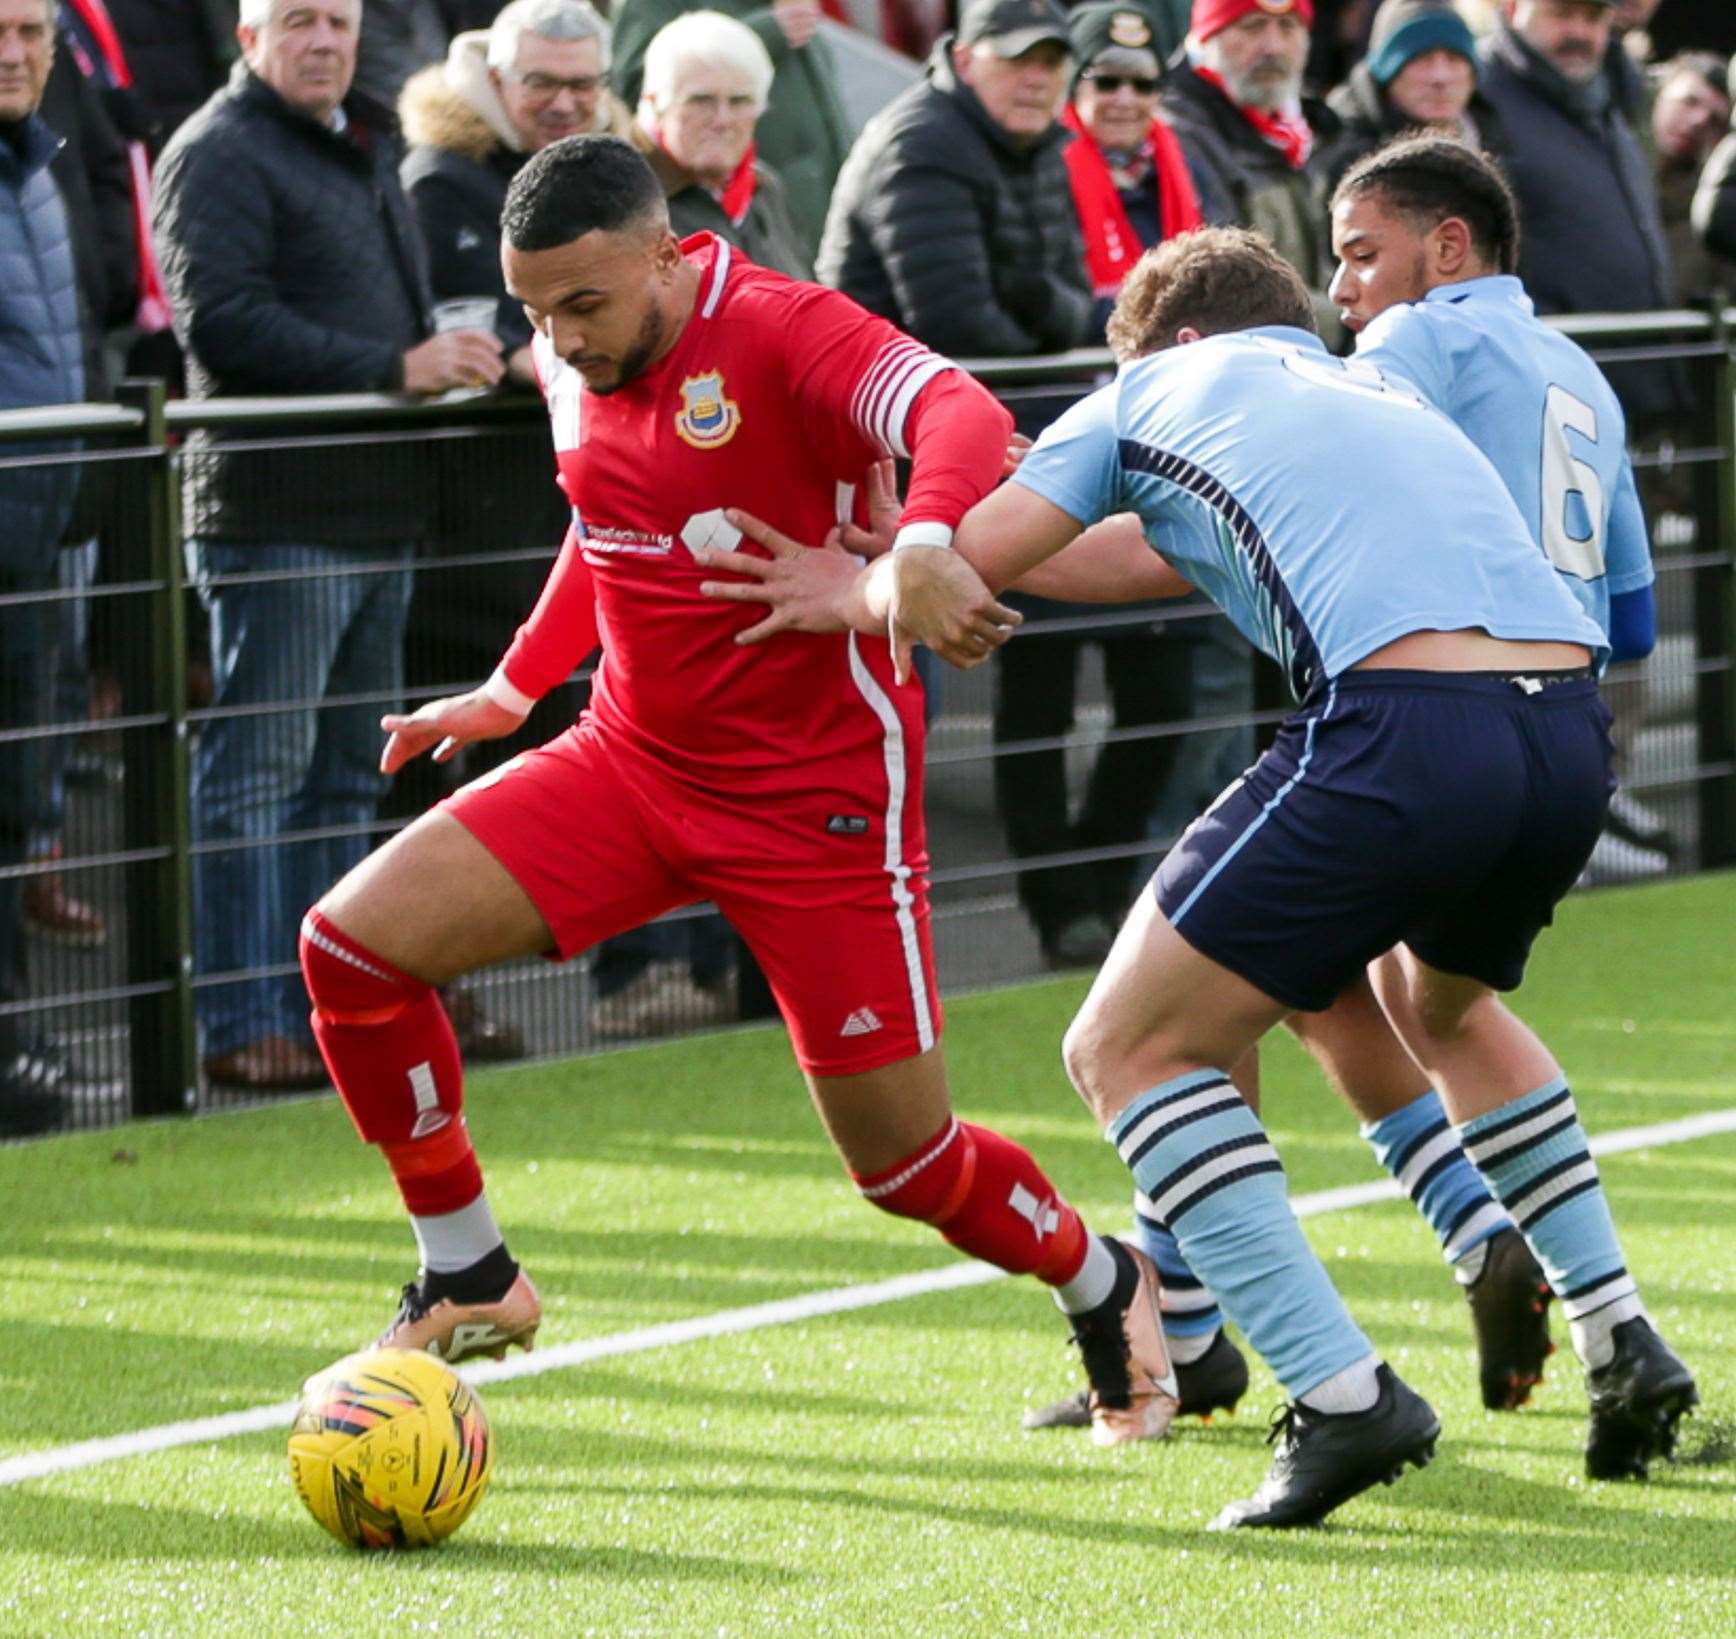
<point x="41" y="344"/>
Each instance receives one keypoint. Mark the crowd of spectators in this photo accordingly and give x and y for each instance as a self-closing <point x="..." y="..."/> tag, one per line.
<point x="295" y="196"/>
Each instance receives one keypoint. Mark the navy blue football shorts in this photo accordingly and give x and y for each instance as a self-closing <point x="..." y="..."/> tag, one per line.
<point x="1446" y="811"/>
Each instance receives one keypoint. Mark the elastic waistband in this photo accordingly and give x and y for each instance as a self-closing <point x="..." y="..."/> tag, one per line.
<point x="1573" y="684"/>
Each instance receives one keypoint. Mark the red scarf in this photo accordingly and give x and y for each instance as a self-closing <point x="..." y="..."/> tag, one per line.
<point x="1290" y="134"/>
<point x="1111" y="246"/>
<point x="736" y="197"/>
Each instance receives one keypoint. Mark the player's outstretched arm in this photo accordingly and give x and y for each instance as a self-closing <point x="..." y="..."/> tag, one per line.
<point x="1111" y="562"/>
<point x="448" y="725"/>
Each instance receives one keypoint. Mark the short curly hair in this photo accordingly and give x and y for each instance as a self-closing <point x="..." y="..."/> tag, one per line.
<point x="1430" y="179"/>
<point x="1211" y="280"/>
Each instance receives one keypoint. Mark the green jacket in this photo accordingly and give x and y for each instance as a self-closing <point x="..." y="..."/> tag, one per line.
<point x="802" y="135"/>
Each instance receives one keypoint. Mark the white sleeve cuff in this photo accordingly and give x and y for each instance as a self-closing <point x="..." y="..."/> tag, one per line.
<point x="923" y="534"/>
<point x="504" y="695"/>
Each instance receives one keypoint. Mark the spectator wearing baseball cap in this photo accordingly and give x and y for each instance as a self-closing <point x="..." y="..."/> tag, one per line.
<point x="1420" y="71"/>
<point x="1250" y="136"/>
<point x="953" y="216"/>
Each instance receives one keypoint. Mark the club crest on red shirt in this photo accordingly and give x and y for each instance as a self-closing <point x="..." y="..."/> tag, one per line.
<point x="706" y="420"/>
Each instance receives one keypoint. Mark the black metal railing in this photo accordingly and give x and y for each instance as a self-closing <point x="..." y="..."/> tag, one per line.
<point x="122" y="996"/>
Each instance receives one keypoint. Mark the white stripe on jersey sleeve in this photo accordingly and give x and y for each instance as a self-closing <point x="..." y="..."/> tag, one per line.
<point x="563" y="391"/>
<point x="883" y="398"/>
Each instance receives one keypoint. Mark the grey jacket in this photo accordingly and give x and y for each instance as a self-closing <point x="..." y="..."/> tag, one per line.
<point x="41" y="343"/>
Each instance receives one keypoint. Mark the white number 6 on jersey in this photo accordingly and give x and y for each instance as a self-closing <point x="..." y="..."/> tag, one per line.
<point x="1565" y="476"/>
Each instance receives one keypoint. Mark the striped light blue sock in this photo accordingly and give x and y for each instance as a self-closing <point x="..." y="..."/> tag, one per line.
<point x="1534" y="1154"/>
<point x="1191" y="1316"/>
<point x="1202" y="1159"/>
<point x="1418" y="1146"/>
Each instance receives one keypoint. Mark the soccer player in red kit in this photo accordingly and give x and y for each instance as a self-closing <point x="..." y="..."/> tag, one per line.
<point x="783" y="782"/>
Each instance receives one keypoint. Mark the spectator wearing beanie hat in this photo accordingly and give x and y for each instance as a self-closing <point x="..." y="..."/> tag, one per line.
<point x="1130" y="180"/>
<point x="1250" y="136"/>
<point x="1421" y="70"/>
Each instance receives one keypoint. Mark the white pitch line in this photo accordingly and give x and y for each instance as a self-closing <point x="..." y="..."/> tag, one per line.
<point x="37" y="1465"/>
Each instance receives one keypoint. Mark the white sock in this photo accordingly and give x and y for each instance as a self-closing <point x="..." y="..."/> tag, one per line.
<point x="1592" y="1341"/>
<point x="1184" y="1351"/>
<point x="1469" y="1267"/>
<point x="1353" y="1389"/>
<point x="455" y="1240"/>
<point x="1094" y="1282"/>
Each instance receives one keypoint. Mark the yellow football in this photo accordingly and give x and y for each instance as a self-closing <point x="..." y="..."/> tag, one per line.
<point x="390" y="1449"/>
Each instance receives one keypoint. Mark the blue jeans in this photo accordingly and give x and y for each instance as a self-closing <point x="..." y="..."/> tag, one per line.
<point x="333" y="635"/>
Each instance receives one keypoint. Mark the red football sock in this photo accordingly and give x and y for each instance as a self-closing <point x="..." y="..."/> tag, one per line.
<point x="389" y="1046"/>
<point x="989" y="1198"/>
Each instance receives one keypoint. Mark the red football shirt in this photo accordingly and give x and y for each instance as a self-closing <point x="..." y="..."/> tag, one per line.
<point x="775" y="399"/>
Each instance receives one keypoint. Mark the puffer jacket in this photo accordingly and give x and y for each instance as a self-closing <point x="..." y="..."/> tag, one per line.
<point x="293" y="266"/>
<point x="41" y="343"/>
<point x="945" y="225"/>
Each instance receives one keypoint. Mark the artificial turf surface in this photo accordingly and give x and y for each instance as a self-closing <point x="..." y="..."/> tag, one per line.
<point x="863" y="1473"/>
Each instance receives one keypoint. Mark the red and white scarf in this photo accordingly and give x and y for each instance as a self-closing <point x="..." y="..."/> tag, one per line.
<point x="736" y="195"/>
<point x="1111" y="246"/>
<point x="1290" y="134"/>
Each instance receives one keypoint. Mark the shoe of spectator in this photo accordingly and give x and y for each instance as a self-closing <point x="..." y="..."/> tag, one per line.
<point x="30" y="1099"/>
<point x="453" y="1331"/>
<point x="273" y="1064"/>
<point x="51" y="913"/>
<point x="481" y="1040"/>
<point x="1614" y="859"/>
<point x="1510" y="1312"/>
<point x="660" y="1001"/>
<point x="1326" y="1458"/>
<point x="1133" y="1392"/>
<point x="1081" y="941"/>
<point x="1637" y="1398"/>
<point x="1214" y="1382"/>
<point x="1631" y="821"/>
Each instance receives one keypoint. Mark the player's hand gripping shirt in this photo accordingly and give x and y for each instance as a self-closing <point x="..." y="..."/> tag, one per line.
<point x="1540" y="409"/>
<point x="1327" y="511"/>
<point x="775" y="399"/>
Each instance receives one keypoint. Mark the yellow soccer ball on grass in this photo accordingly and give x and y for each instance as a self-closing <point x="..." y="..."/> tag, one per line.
<point x="390" y="1449"/>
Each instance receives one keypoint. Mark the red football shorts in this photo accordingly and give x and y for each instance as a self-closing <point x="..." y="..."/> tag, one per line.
<point x="826" y="880"/>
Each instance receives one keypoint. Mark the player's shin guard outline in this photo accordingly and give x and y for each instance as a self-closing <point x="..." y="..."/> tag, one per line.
<point x="988" y="1197"/>
<point x="386" y="1039"/>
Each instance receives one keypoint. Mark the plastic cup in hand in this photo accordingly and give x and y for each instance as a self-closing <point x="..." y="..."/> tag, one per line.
<point x="465" y="313"/>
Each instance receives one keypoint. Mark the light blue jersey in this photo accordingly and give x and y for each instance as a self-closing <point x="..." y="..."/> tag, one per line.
<point x="1536" y="405"/>
<point x="1326" y="511"/>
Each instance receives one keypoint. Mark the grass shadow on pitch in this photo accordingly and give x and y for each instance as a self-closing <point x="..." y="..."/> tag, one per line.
<point x="80" y="1528"/>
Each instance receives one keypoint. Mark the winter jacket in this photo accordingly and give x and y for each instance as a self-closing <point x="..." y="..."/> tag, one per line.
<point x="293" y="266"/>
<point x="178" y="52"/>
<point x="41" y="343"/>
<point x="1243" y="180"/>
<point x="399" y="38"/>
<point x="944" y="224"/>
<point x="767" y="233"/>
<point x="96" y="185"/>
<point x="462" y="158"/>
<point x="1714" y="210"/>
<point x="1368" y="120"/>
<point x="803" y="134"/>
<point x="1593" y="240"/>
<point x="492" y="493"/>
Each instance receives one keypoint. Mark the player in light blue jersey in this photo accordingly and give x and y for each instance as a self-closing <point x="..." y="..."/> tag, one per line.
<point x="1435" y="794"/>
<point x="1427" y="236"/>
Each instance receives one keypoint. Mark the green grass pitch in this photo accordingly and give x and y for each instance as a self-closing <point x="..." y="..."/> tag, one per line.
<point x="865" y="1473"/>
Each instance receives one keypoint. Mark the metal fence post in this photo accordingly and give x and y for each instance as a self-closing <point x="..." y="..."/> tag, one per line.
<point x="156" y="809"/>
<point x="1715" y="626"/>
